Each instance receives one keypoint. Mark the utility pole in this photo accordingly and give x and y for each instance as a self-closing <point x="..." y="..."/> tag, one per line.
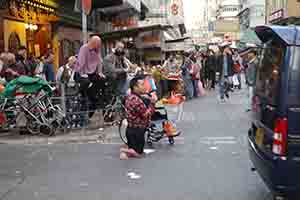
<point x="84" y="27"/>
<point x="86" y="6"/>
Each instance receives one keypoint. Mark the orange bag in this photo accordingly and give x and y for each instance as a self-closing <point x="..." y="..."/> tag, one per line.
<point x="170" y="128"/>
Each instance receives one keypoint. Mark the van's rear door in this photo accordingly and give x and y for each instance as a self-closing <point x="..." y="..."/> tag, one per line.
<point x="294" y="106"/>
<point x="267" y="92"/>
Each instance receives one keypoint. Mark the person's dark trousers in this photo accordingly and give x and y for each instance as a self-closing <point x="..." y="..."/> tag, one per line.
<point x="164" y="87"/>
<point x="90" y="89"/>
<point x="136" y="139"/>
<point x="212" y="78"/>
<point x="195" y="85"/>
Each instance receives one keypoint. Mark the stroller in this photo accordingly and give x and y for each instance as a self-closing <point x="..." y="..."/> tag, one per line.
<point x="160" y="127"/>
<point x="25" y="103"/>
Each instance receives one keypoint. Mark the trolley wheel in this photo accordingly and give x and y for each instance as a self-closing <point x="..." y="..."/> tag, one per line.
<point x="171" y="141"/>
<point x="150" y="143"/>
<point x="122" y="130"/>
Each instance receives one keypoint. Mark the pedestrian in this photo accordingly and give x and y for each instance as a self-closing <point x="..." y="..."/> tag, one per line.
<point x="251" y="75"/>
<point x="10" y="70"/>
<point x="139" y="109"/>
<point x="89" y="74"/>
<point x="225" y="70"/>
<point x="21" y="64"/>
<point x="196" y="68"/>
<point x="211" y="68"/>
<point x="186" y="69"/>
<point x="65" y="74"/>
<point x="238" y="66"/>
<point x="116" y="67"/>
<point x="48" y="69"/>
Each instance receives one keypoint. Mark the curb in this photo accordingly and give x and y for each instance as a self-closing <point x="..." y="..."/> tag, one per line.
<point x="99" y="137"/>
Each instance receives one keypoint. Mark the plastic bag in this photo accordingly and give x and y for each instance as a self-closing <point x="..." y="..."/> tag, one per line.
<point x="235" y="80"/>
<point x="201" y="90"/>
<point x="170" y="128"/>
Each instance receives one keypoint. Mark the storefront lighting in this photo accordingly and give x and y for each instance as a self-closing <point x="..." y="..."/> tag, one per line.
<point x="31" y="27"/>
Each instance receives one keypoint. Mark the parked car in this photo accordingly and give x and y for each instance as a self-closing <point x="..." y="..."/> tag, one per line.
<point x="274" y="136"/>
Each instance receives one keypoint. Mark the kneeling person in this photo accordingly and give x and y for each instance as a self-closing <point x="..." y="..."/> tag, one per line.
<point x="139" y="109"/>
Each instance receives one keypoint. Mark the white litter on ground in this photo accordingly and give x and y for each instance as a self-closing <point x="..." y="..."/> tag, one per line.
<point x="149" y="151"/>
<point x="133" y="175"/>
<point x="213" y="148"/>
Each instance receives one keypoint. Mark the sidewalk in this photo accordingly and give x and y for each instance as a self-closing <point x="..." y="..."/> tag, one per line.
<point x="82" y="135"/>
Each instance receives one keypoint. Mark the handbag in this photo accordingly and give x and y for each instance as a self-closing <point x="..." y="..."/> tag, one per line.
<point x="201" y="90"/>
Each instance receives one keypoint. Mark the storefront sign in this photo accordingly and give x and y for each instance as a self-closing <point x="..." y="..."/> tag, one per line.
<point x="118" y="23"/>
<point x="31" y="12"/>
<point x="49" y="3"/>
<point x="279" y="14"/>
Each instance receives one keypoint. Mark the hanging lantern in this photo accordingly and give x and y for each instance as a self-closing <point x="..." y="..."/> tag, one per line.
<point x="87" y="6"/>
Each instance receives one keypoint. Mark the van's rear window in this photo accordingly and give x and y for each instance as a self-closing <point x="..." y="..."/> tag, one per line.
<point x="268" y="73"/>
<point x="294" y="82"/>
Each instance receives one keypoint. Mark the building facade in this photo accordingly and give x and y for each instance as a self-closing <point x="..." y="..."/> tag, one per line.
<point x="227" y="20"/>
<point x="252" y="15"/>
<point x="283" y="12"/>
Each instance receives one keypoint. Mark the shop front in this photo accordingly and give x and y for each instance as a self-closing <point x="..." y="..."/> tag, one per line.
<point x="27" y="23"/>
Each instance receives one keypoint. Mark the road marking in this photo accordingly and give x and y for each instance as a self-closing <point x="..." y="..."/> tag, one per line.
<point x="213" y="148"/>
<point x="219" y="138"/>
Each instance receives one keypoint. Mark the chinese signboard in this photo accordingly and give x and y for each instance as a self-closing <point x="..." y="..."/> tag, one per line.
<point x="279" y="14"/>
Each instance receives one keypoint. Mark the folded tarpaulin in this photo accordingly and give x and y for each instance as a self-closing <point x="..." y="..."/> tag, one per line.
<point x="26" y="85"/>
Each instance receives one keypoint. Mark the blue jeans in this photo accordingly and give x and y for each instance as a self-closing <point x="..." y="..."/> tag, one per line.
<point x="224" y="87"/>
<point x="188" y="87"/>
<point x="196" y="89"/>
<point x="123" y="86"/>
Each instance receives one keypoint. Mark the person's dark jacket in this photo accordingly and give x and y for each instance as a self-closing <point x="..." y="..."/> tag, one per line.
<point x="114" y="67"/>
<point x="211" y="63"/>
<point x="220" y="64"/>
<point x="21" y="66"/>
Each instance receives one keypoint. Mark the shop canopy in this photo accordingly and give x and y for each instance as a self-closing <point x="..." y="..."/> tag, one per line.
<point x="106" y="3"/>
<point x="290" y="35"/>
<point x="131" y="32"/>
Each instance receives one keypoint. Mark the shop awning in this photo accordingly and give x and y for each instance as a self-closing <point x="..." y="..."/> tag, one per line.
<point x="106" y="3"/>
<point x="121" y="6"/>
<point x="131" y="32"/>
<point x="290" y="35"/>
<point x="249" y="36"/>
<point x="177" y="39"/>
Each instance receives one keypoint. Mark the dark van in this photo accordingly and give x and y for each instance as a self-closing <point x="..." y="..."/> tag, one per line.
<point x="274" y="136"/>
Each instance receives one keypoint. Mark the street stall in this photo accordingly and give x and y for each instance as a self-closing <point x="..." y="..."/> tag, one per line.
<point x="171" y="80"/>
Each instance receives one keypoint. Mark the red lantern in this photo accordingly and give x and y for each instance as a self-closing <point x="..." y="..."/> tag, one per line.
<point x="87" y="6"/>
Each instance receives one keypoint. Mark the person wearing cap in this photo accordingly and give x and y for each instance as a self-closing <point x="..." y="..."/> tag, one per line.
<point x="225" y="70"/>
<point x="251" y="75"/>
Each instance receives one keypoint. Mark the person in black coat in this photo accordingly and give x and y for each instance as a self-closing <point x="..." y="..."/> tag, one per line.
<point x="211" y="66"/>
<point x="225" y="69"/>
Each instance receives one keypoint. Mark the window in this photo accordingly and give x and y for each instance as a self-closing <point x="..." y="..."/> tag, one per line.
<point x="268" y="74"/>
<point x="294" y="82"/>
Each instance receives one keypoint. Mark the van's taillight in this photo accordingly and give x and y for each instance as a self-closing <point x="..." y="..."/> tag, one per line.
<point x="280" y="137"/>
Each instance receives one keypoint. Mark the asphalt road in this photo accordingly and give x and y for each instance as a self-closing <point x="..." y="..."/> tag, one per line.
<point x="209" y="162"/>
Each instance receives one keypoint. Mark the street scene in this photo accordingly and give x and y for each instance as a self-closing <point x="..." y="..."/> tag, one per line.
<point x="143" y="99"/>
